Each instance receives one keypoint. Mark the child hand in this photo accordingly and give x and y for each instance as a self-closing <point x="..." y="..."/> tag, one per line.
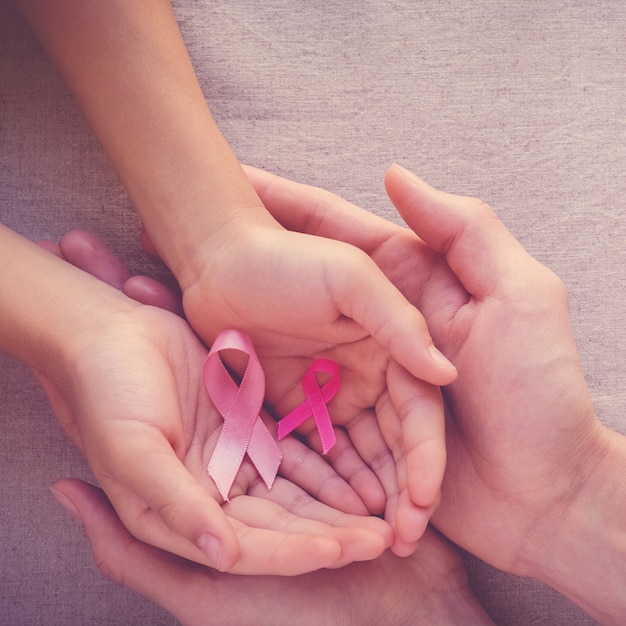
<point x="137" y="408"/>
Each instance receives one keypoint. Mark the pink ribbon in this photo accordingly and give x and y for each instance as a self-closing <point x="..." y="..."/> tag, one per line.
<point x="243" y="430"/>
<point x="315" y="404"/>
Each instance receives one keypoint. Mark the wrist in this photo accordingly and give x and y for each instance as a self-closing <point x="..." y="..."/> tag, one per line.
<point x="193" y="211"/>
<point x="579" y="547"/>
<point x="47" y="304"/>
<point x="216" y="258"/>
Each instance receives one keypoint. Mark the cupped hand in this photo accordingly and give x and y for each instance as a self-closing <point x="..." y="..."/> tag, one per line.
<point x="521" y="431"/>
<point x="309" y="297"/>
<point x="135" y="404"/>
<point x="431" y="587"/>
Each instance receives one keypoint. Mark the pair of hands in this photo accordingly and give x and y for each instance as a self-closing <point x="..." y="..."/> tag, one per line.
<point x="520" y="421"/>
<point x="299" y="297"/>
<point x="138" y="410"/>
<point x="521" y="431"/>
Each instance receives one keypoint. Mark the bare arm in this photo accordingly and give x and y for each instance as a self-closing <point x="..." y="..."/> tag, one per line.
<point x="580" y="550"/>
<point x="127" y="65"/>
<point x="37" y="325"/>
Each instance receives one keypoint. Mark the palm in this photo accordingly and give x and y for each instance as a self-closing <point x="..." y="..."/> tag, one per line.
<point x="520" y="401"/>
<point x="519" y="377"/>
<point x="292" y="316"/>
<point x="137" y="401"/>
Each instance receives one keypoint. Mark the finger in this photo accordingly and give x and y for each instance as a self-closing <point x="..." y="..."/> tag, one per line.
<point x="302" y="466"/>
<point x="344" y="462"/>
<point x="275" y="542"/>
<point x="362" y="292"/>
<point x="350" y="460"/>
<point x="374" y="461"/>
<point x="358" y="287"/>
<point x="479" y="249"/>
<point x="420" y="409"/>
<point x="157" y="575"/>
<point x="86" y="251"/>
<point x="181" y="516"/>
<point x="315" y="211"/>
<point x="149" y="291"/>
<point x="408" y="518"/>
<point x="360" y="538"/>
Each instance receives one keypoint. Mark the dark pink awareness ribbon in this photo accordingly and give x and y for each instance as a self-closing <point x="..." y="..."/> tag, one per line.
<point x="315" y="404"/>
<point x="240" y="405"/>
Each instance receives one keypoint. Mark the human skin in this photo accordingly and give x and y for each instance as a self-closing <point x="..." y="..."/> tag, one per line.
<point x="430" y="587"/>
<point x="124" y="381"/>
<point x="533" y="481"/>
<point x="298" y="297"/>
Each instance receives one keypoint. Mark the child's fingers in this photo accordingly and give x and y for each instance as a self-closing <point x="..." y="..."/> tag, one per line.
<point x="370" y="446"/>
<point x="315" y="211"/>
<point x="357" y="286"/>
<point x="412" y="423"/>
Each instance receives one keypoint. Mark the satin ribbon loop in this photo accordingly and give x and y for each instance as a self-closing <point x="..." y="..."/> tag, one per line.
<point x="316" y="399"/>
<point x="240" y="405"/>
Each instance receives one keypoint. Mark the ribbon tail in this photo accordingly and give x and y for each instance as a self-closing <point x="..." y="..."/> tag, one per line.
<point x="228" y="456"/>
<point x="292" y="420"/>
<point x="264" y="453"/>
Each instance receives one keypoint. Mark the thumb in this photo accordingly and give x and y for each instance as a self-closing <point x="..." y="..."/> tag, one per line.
<point x="363" y="293"/>
<point x="182" y="517"/>
<point x="479" y="249"/>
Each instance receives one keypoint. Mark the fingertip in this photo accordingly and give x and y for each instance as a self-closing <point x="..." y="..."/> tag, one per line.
<point x="361" y="544"/>
<point x="150" y="291"/>
<point x="411" y="522"/>
<point x="424" y="479"/>
<point x="87" y="252"/>
<point x="212" y="548"/>
<point x="448" y="370"/>
<point x="211" y="532"/>
<point x="402" y="548"/>
<point x="397" y="173"/>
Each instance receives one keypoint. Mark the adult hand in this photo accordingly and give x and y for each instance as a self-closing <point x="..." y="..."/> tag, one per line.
<point x="431" y="587"/>
<point x="137" y="407"/>
<point x="523" y="439"/>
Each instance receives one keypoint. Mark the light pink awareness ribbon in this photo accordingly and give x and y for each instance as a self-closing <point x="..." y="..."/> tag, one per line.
<point x="240" y="405"/>
<point x="315" y="404"/>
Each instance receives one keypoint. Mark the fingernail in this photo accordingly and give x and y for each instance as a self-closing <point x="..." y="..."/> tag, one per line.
<point x="407" y="173"/>
<point x="68" y="505"/>
<point x="440" y="359"/>
<point x="212" y="547"/>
